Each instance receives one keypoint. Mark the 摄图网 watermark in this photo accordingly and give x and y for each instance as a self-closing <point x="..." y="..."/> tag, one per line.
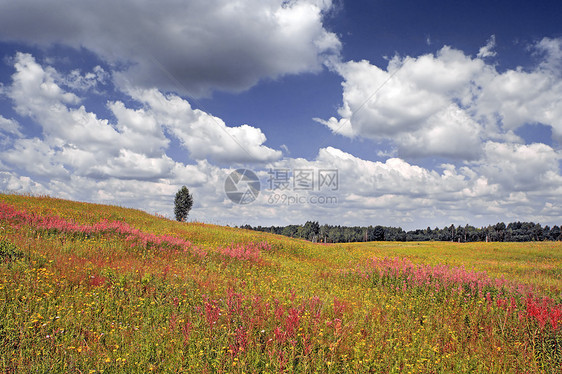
<point x="285" y="186"/>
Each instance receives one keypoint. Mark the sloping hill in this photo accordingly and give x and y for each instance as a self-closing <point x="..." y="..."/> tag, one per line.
<point x="93" y="288"/>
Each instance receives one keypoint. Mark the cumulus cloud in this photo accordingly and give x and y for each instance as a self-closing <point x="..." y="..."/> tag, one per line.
<point x="36" y="157"/>
<point x="517" y="97"/>
<point x="394" y="177"/>
<point x="488" y="49"/>
<point x="78" y="155"/>
<point x="73" y="139"/>
<point x="76" y="141"/>
<point x="551" y="51"/>
<point x="416" y="102"/>
<point x="12" y="182"/>
<point x="154" y="196"/>
<point x="450" y="133"/>
<point x="10" y="127"/>
<point x="520" y="168"/>
<point x="510" y="181"/>
<point x="193" y="47"/>
<point x="448" y="104"/>
<point x="204" y="135"/>
<point x="75" y="80"/>
<point x="151" y="195"/>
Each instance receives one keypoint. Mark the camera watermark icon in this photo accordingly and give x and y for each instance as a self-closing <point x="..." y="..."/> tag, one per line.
<point x="242" y="186"/>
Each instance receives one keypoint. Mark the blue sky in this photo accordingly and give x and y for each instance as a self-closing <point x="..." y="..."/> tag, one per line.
<point x="431" y="112"/>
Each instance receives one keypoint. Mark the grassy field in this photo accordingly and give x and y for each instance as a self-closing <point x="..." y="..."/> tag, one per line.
<point x="89" y="289"/>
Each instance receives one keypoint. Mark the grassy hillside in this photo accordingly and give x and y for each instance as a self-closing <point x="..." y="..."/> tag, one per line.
<point x="89" y="288"/>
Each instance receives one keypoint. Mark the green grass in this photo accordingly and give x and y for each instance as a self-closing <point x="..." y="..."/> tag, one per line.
<point x="149" y="294"/>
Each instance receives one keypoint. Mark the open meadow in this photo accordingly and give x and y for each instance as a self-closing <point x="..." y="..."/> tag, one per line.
<point x="88" y="288"/>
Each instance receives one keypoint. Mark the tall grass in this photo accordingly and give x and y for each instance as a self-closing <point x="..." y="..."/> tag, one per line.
<point x="89" y="289"/>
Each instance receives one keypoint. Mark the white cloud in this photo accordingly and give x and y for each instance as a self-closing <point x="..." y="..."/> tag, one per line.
<point x="36" y="94"/>
<point x="204" y="135"/>
<point x="192" y="46"/>
<point x="520" y="168"/>
<point x="75" y="141"/>
<point x="411" y="102"/>
<point x="391" y="192"/>
<point x="90" y="81"/>
<point x="551" y="49"/>
<point x="36" y="157"/>
<point x="465" y="113"/>
<point x="392" y="177"/>
<point x="34" y="88"/>
<point x="10" y="127"/>
<point x="126" y="166"/>
<point x="511" y="181"/>
<point x="488" y="49"/>
<point x="80" y="156"/>
<point x="516" y="97"/>
<point x="449" y="133"/>
<point x="141" y="132"/>
<point x="11" y="182"/>
<point x="154" y="196"/>
<point x="449" y="104"/>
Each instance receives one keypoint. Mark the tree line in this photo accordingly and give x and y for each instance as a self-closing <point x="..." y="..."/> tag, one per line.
<point x="500" y="232"/>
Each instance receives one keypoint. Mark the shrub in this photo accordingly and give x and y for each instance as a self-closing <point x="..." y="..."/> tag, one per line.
<point x="8" y="251"/>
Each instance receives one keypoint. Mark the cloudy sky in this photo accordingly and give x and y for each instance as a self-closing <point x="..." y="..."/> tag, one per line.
<point x="399" y="113"/>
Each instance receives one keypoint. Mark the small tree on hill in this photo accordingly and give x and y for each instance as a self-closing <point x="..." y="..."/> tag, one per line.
<point x="182" y="204"/>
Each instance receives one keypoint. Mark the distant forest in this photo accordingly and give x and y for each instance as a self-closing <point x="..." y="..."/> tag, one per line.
<point x="500" y="232"/>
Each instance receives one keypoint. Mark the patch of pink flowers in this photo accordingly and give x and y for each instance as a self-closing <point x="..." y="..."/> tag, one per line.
<point x="246" y="251"/>
<point x="544" y="311"/>
<point x="400" y="274"/>
<point x="135" y="237"/>
<point x="403" y="273"/>
<point x="132" y="235"/>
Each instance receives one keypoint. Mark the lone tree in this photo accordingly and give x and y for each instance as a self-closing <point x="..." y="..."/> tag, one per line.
<point x="182" y="204"/>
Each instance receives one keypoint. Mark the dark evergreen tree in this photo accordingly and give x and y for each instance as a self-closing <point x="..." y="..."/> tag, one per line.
<point x="378" y="233"/>
<point x="290" y="230"/>
<point x="555" y="233"/>
<point x="310" y="230"/>
<point x="182" y="204"/>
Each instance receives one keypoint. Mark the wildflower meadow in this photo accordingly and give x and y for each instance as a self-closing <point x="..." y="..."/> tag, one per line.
<point x="88" y="288"/>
